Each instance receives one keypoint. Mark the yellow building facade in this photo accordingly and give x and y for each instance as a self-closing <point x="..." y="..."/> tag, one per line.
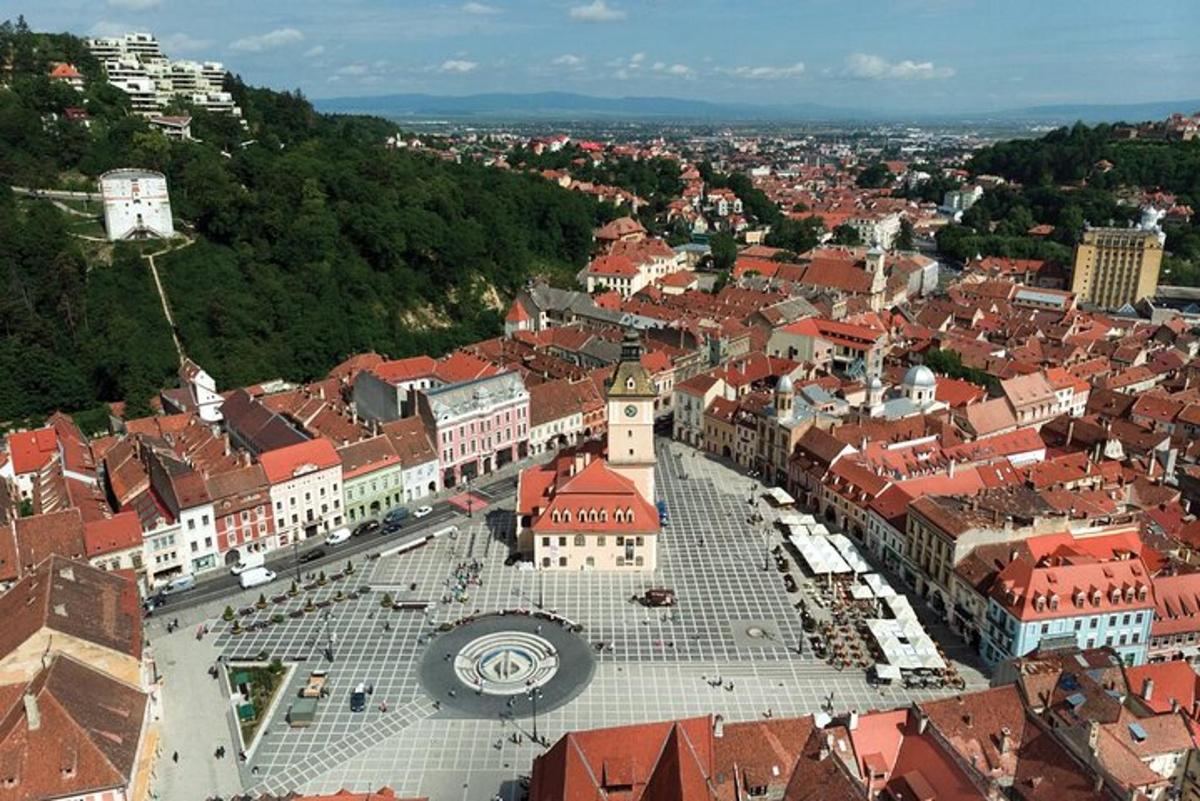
<point x="1116" y="266"/>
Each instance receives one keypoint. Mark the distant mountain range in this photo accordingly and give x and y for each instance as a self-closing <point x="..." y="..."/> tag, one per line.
<point x="569" y="106"/>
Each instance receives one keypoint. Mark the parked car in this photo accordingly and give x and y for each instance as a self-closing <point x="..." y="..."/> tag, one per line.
<point x="338" y="536"/>
<point x="366" y="527"/>
<point x="311" y="555"/>
<point x="422" y="511"/>
<point x="663" y="517"/>
<point x="177" y="585"/>
<point x="358" y="698"/>
<point x="153" y="603"/>
<point x="391" y="528"/>
<point x="659" y="597"/>
<point x="397" y="515"/>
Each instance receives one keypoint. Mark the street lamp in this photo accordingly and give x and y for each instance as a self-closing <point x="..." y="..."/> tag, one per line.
<point x="533" y="694"/>
<point x="296" y="554"/>
<point x="470" y="498"/>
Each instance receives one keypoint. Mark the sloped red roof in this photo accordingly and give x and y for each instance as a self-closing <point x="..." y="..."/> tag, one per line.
<point x="30" y="451"/>
<point x="283" y="464"/>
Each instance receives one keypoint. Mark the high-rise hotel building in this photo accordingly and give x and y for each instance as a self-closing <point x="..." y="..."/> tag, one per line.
<point x="1116" y="266"/>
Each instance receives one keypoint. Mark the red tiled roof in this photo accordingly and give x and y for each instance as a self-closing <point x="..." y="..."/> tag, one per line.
<point x="110" y="535"/>
<point x="401" y="370"/>
<point x="283" y="464"/>
<point x="87" y="739"/>
<point x="30" y="451"/>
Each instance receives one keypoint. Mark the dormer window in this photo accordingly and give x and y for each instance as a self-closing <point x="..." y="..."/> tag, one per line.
<point x="567" y="516"/>
<point x="1079" y="599"/>
<point x="555" y="516"/>
<point x="1096" y="598"/>
<point x="1039" y="603"/>
<point x="629" y="383"/>
<point x="1054" y="601"/>
<point x="1115" y="596"/>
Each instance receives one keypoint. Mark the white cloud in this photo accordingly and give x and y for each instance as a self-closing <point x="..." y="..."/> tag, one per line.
<point x="134" y="5"/>
<point x="314" y="51"/>
<point x="765" y="73"/>
<point x="183" y="43"/>
<point x="458" y="65"/>
<point x="568" y="60"/>
<point x="637" y="58"/>
<point x="678" y="70"/>
<point x="357" y="68"/>
<point x="479" y="9"/>
<point x="267" y="41"/>
<point x="597" y="11"/>
<point x="876" y="68"/>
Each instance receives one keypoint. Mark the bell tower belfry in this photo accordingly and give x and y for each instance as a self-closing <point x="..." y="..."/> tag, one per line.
<point x="631" y="418"/>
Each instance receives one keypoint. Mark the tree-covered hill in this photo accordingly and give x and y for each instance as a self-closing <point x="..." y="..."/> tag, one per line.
<point x="1075" y="175"/>
<point x="311" y="241"/>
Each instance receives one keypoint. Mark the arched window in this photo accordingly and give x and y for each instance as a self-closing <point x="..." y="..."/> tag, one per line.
<point x="555" y="516"/>
<point x="580" y="541"/>
<point x="566" y="515"/>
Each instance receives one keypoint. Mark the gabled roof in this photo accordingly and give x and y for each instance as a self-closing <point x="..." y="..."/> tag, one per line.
<point x="84" y="740"/>
<point x="668" y="761"/>
<point x="77" y="600"/>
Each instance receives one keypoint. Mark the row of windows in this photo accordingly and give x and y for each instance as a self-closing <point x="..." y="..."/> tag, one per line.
<point x="593" y="516"/>
<point x="580" y="541"/>
<point x="638" y="561"/>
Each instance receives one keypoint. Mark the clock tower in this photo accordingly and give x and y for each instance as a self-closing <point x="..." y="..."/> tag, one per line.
<point x="631" y="418"/>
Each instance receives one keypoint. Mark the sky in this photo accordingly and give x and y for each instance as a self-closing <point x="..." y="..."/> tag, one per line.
<point x="901" y="55"/>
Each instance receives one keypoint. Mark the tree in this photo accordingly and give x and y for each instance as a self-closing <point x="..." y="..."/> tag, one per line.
<point x="846" y="235"/>
<point x="904" y="240"/>
<point x="874" y="176"/>
<point x="724" y="251"/>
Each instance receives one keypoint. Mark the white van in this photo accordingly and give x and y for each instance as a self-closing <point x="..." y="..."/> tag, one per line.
<point x="249" y="561"/>
<point x="256" y="576"/>
<point x="178" y="585"/>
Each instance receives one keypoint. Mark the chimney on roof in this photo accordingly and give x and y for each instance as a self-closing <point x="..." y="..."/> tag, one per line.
<point x="827" y="748"/>
<point x="852" y="723"/>
<point x="33" y="716"/>
<point x="718" y="726"/>
<point x="1174" y="705"/>
<point x="1005" y="739"/>
<point x="1147" y="689"/>
<point x="1070" y="431"/>
<point x="922" y="721"/>
<point x="952" y="465"/>
<point x="1094" y="736"/>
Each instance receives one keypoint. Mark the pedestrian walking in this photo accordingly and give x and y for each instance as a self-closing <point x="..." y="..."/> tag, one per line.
<point x="175" y="757"/>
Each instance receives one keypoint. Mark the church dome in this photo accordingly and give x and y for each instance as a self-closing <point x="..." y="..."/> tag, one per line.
<point x="785" y="384"/>
<point x="874" y="383"/>
<point x="920" y="377"/>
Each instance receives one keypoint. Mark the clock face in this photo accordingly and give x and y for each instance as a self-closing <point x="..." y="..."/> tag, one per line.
<point x="631" y="411"/>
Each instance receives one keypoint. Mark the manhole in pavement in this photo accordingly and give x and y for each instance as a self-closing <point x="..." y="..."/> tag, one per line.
<point x="755" y="632"/>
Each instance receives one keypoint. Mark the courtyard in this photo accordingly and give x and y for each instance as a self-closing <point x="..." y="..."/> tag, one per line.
<point x="729" y="646"/>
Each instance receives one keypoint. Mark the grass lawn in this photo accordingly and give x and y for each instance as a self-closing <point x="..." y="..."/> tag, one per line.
<point x="262" y="682"/>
